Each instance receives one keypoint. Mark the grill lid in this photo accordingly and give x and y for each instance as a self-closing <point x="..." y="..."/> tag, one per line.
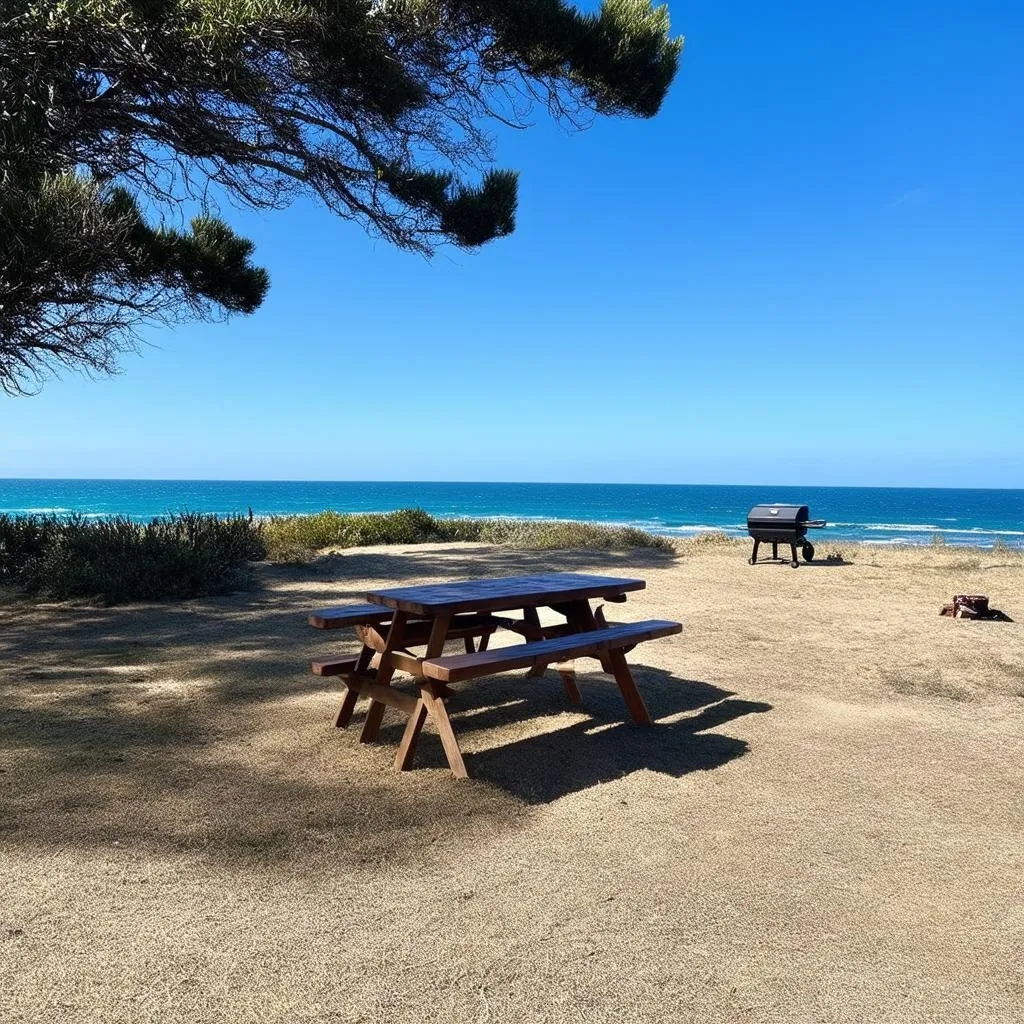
<point x="777" y="516"/>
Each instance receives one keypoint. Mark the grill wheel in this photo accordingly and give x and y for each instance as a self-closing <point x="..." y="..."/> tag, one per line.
<point x="808" y="552"/>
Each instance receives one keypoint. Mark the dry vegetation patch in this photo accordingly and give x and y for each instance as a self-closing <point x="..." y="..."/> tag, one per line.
<point x="926" y="682"/>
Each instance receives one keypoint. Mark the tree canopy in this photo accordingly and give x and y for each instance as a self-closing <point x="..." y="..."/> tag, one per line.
<point x="117" y="114"/>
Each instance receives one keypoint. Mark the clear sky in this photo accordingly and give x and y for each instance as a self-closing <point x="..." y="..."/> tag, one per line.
<point x="809" y="268"/>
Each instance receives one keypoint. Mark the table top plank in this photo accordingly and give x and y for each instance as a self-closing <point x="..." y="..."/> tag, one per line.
<point x="502" y="592"/>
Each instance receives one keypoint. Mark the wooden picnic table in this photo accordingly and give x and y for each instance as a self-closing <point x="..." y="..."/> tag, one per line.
<point x="429" y="615"/>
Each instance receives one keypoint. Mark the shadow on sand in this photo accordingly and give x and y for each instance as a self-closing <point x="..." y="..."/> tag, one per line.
<point x="818" y="563"/>
<point x="197" y="726"/>
<point x="551" y="763"/>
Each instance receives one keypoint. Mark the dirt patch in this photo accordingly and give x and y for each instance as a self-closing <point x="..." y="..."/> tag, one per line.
<point x="824" y="825"/>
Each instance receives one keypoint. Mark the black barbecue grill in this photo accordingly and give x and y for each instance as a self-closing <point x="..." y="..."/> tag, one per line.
<point x="782" y="524"/>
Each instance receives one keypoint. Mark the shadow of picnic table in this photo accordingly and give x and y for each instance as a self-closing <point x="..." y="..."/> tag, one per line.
<point x="549" y="763"/>
<point x="586" y="754"/>
<point x="196" y="726"/>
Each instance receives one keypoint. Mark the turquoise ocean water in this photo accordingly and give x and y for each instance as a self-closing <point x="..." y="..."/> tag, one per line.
<point x="877" y="515"/>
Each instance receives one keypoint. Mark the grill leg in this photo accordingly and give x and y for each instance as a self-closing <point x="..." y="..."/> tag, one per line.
<point x="794" y="563"/>
<point x="775" y="549"/>
<point x="753" y="557"/>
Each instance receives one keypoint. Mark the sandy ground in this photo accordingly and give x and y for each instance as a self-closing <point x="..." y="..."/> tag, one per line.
<point x="826" y="824"/>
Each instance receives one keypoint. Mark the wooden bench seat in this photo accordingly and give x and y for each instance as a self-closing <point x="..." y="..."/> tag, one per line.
<point x="350" y="615"/>
<point x="376" y="620"/>
<point x="342" y="667"/>
<point x="598" y="642"/>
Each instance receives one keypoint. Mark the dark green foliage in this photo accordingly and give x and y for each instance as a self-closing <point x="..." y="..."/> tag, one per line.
<point x="620" y="56"/>
<point x="470" y="216"/>
<point x="376" y="108"/>
<point x="116" y="560"/>
<point x="24" y="540"/>
<point x="79" y="268"/>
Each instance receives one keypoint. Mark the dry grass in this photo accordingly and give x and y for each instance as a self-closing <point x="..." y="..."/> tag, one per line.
<point x="813" y="831"/>
<point x="706" y="540"/>
<point x="926" y="683"/>
<point x="298" y="539"/>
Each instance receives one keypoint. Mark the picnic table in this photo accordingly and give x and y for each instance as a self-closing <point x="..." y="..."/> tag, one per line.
<point x="397" y="619"/>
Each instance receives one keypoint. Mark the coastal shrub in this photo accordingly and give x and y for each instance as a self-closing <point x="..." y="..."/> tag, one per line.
<point x="284" y="534"/>
<point x="23" y="539"/>
<point x="114" y="560"/>
<point x="704" y="541"/>
<point x="709" y="539"/>
<point x="555" y="534"/>
<point x="293" y="538"/>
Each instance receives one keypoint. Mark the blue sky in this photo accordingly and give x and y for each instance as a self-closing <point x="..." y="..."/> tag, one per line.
<point x="809" y="268"/>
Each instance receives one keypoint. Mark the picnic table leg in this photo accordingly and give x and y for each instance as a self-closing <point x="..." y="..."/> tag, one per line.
<point x="567" y="671"/>
<point x="627" y="687"/>
<point x="435" y="647"/>
<point x="439" y="713"/>
<point x="581" y="617"/>
<point x="348" y="702"/>
<point x="412" y="733"/>
<point x="614" y="663"/>
<point x="532" y="620"/>
<point x="371" y="727"/>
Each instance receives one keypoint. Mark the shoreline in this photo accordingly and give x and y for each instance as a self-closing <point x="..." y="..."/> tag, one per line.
<point x="684" y="533"/>
<point x="927" y="535"/>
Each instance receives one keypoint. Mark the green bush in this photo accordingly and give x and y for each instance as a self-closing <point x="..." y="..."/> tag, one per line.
<point x="23" y="539"/>
<point x="296" y="538"/>
<point x="334" y="529"/>
<point x="191" y="555"/>
<point x="116" y="560"/>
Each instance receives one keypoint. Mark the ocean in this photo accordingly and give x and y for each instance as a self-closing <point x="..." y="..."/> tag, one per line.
<point x="876" y="515"/>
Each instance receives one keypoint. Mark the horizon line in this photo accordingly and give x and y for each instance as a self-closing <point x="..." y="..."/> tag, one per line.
<point x="496" y="483"/>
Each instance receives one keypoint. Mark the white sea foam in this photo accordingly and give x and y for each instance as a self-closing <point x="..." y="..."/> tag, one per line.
<point x="695" y="528"/>
<point x="49" y="510"/>
<point x="900" y="526"/>
<point x="921" y="541"/>
<point x="931" y="528"/>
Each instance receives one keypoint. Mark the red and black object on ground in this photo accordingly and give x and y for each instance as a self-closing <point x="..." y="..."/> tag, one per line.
<point x="973" y="606"/>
